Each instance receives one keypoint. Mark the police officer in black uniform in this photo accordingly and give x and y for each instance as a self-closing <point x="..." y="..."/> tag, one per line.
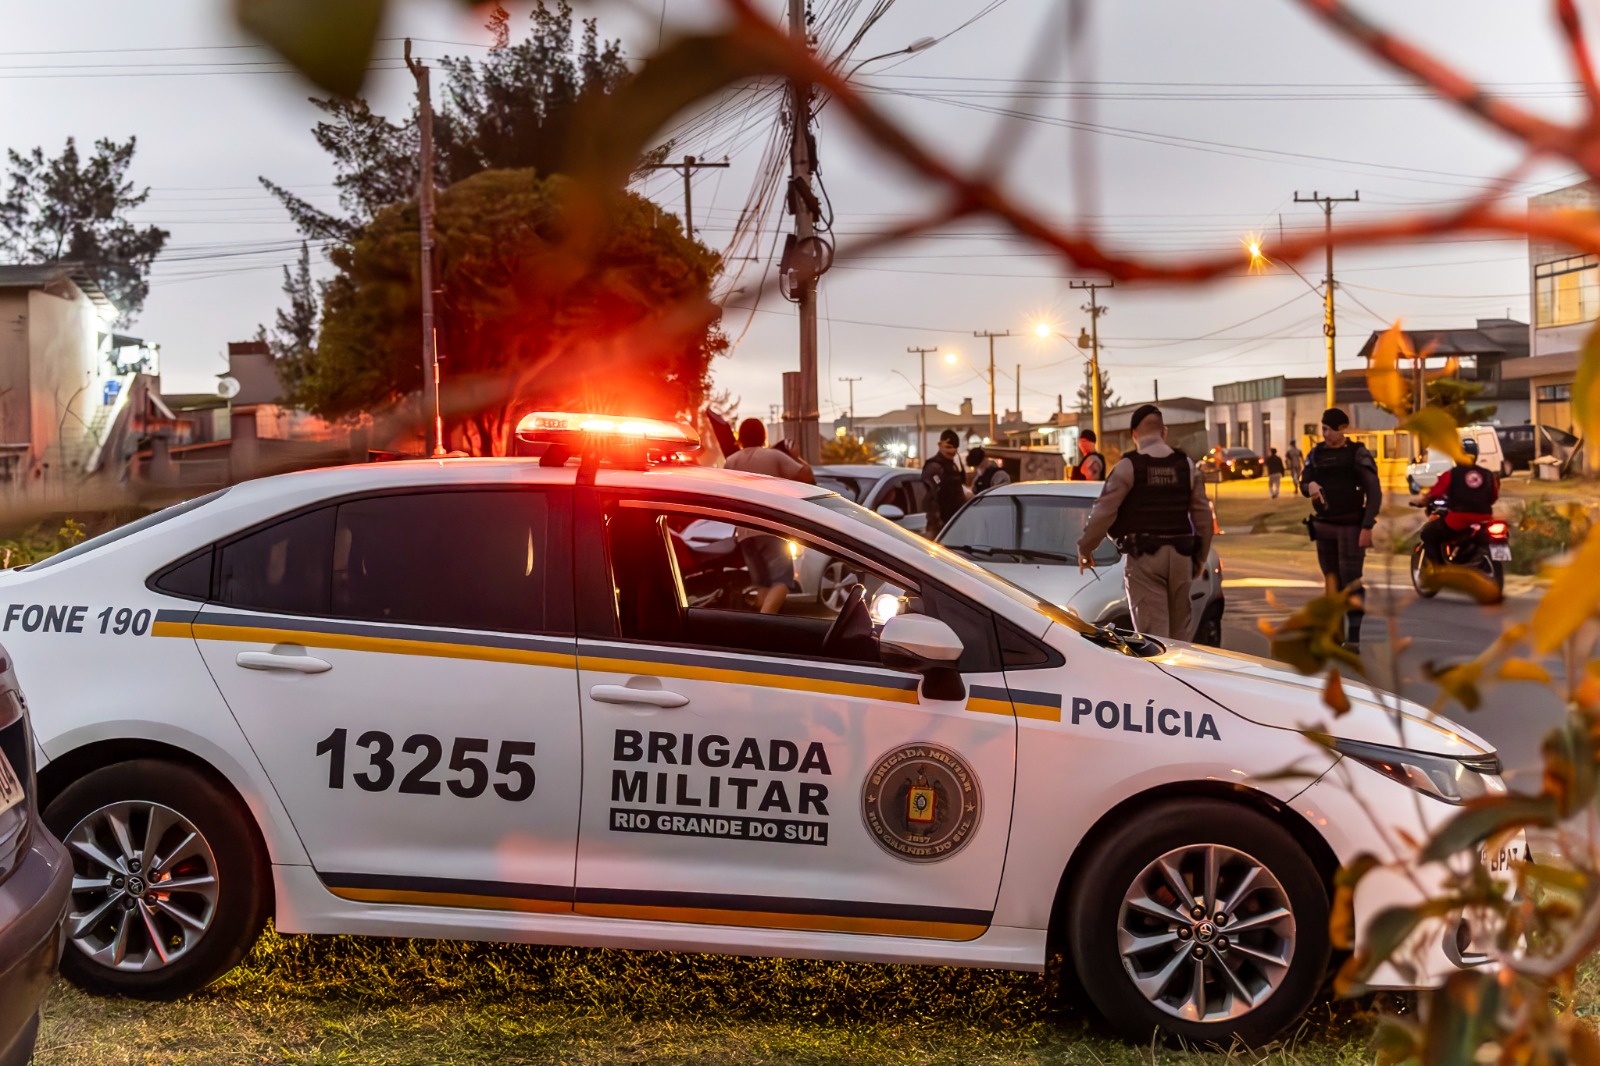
<point x="1341" y="479"/>
<point x="946" y="481"/>
<point x="1091" y="464"/>
<point x="1154" y="506"/>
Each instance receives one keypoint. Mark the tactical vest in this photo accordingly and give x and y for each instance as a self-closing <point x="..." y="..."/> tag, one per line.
<point x="1158" y="502"/>
<point x="985" y="479"/>
<point x="1077" y="471"/>
<point x="1335" y="471"/>
<point x="1471" y="490"/>
<point x="950" y="493"/>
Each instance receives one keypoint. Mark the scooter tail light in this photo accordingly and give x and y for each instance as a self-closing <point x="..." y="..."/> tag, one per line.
<point x="1498" y="530"/>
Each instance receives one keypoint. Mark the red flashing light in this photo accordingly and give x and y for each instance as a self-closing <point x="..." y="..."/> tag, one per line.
<point x="551" y="426"/>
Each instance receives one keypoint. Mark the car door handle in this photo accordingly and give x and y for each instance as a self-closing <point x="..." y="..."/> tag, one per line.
<point x="267" y="660"/>
<point x="653" y="697"/>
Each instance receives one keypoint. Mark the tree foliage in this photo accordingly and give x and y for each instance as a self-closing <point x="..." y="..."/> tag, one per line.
<point x="69" y="209"/>
<point x="1455" y="396"/>
<point x="849" y="449"/>
<point x="537" y="309"/>
<point x="1108" y="398"/>
<point x="293" y="338"/>
<point x="513" y="109"/>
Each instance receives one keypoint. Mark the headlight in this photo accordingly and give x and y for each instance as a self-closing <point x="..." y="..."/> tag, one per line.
<point x="1440" y="776"/>
<point x="796" y="550"/>
<point x="885" y="606"/>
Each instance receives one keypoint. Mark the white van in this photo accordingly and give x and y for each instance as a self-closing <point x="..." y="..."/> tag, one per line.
<point x="1421" y="474"/>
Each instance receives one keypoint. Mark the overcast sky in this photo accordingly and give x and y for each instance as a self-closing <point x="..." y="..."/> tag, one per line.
<point x="1213" y="115"/>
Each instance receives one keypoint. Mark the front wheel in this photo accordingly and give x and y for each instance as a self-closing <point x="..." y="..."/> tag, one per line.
<point x="1420" y="579"/>
<point x="1204" y="920"/>
<point x="833" y="588"/>
<point x="169" y="886"/>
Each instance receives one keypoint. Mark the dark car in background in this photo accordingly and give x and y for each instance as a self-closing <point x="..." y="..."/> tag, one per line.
<point x="1229" y="464"/>
<point x="1519" y="445"/>
<point x="35" y="883"/>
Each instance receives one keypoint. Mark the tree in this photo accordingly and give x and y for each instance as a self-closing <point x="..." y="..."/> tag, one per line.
<point x="849" y="450"/>
<point x="293" y="339"/>
<point x="513" y="109"/>
<point x="71" y="210"/>
<point x="1086" y="391"/>
<point x="537" y="309"/>
<point x="1453" y="395"/>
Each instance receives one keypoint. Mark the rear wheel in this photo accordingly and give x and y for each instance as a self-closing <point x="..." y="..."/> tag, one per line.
<point x="169" y="887"/>
<point x="1202" y="920"/>
<point x="1209" y="631"/>
<point x="833" y="588"/>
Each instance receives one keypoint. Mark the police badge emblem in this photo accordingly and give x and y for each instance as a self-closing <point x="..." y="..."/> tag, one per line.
<point x="1474" y="479"/>
<point x="921" y="802"/>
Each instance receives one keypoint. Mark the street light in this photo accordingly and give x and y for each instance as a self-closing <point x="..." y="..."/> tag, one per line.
<point x="921" y="44"/>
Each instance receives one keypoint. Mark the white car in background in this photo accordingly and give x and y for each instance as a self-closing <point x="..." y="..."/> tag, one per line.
<point x="1421" y="475"/>
<point x="1028" y="534"/>
<point x="895" y="492"/>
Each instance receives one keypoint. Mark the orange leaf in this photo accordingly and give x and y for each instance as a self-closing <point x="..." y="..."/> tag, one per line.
<point x="1523" y="670"/>
<point x="1438" y="431"/>
<point x="1572" y="600"/>
<point x="1384" y="381"/>
<point x="1333" y="695"/>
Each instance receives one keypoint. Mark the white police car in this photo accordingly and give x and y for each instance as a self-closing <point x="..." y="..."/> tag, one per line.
<point x="467" y="698"/>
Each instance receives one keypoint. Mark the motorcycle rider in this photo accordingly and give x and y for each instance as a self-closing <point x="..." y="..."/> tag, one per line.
<point x="1341" y="479"/>
<point x="1469" y="492"/>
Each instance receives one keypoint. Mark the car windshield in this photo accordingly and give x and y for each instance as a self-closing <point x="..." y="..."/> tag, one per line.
<point x="1023" y="528"/>
<point x="1240" y="453"/>
<point x="922" y="546"/>
<point x="853" y="489"/>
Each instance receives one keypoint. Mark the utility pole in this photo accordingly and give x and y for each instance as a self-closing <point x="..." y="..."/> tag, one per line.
<point x="687" y="168"/>
<point x="991" y="335"/>
<point x="802" y="201"/>
<point x="1019" y="392"/>
<point x="922" y="403"/>
<point x="1329" y="330"/>
<point x="433" y="436"/>
<point x="850" y="419"/>
<point x="1095" y="311"/>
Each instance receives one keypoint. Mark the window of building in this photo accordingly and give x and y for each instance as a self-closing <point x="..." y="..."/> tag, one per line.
<point x="1567" y="291"/>
<point x="1266" y="432"/>
<point x="1242" y="440"/>
<point x="1553" y="393"/>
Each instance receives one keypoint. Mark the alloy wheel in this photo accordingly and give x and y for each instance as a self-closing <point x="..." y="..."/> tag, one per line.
<point x="834" y="588"/>
<point x="144" y="886"/>
<point x="1206" y="933"/>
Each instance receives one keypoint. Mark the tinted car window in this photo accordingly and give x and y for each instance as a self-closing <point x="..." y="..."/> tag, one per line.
<point x="464" y="560"/>
<point x="285" y="567"/>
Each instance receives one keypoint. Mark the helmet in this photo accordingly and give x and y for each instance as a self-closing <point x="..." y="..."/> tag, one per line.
<point x="1470" y="446"/>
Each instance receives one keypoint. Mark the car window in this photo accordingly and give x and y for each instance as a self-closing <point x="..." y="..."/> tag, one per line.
<point x="848" y="487"/>
<point x="489" y="559"/>
<point x="1024" y="529"/>
<point x="689" y="579"/>
<point x="285" y="567"/>
<point x="904" y="493"/>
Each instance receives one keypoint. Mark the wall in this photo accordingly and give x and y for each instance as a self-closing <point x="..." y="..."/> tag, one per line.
<point x="15" y="416"/>
<point x="64" y="342"/>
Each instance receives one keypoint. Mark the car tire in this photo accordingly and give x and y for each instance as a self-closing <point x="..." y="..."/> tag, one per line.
<point x="835" y="582"/>
<point x="119" y="913"/>
<point x="1505" y="468"/>
<point x="1284" y="901"/>
<point x="1209" y="632"/>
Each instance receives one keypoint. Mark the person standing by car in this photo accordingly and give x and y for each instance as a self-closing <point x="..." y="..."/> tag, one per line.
<point x="1154" y="506"/>
<point x="766" y="556"/>
<point x="1341" y="480"/>
<point x="1296" y="462"/>
<point x="1274" y="472"/>
<point x="987" y="473"/>
<point x="1091" y="464"/>
<point x="946" y="482"/>
<point x="1469" y="492"/>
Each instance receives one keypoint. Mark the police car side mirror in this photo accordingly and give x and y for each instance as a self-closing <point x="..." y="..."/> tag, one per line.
<point x="891" y="512"/>
<point x="918" y="644"/>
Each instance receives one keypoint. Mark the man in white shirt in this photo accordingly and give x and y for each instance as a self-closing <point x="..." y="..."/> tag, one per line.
<point x="767" y="557"/>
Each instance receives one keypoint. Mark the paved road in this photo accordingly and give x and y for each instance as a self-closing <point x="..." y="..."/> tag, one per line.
<point x="1515" y="717"/>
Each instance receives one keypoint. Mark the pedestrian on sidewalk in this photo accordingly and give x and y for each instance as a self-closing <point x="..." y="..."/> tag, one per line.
<point x="1341" y="479"/>
<point x="1296" y="462"/>
<point x="1274" y="472"/>
<point x="1154" y="506"/>
<point x="947" y="489"/>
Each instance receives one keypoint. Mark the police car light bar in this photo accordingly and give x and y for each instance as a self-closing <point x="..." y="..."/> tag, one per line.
<point x="630" y="441"/>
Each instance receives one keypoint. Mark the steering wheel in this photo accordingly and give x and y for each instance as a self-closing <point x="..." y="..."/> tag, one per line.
<point x="853" y="622"/>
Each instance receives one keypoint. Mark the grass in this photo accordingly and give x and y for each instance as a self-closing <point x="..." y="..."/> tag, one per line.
<point x="347" y="1000"/>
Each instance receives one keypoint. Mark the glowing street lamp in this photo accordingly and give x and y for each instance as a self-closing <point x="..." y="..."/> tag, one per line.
<point x="1258" y="258"/>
